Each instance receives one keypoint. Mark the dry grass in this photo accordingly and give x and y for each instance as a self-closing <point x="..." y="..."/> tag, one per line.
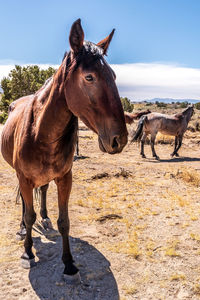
<point x="156" y="240"/>
<point x="177" y="277"/>
<point x="130" y="290"/>
<point x="189" y="175"/>
<point x="164" y="139"/>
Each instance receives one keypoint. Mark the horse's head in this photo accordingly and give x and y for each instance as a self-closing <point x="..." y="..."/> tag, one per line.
<point x="90" y="90"/>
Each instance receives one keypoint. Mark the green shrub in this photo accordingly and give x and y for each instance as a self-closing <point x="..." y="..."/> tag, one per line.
<point x="126" y="104"/>
<point x="20" y="82"/>
<point x="197" y="105"/>
<point x="184" y="104"/>
<point x="161" y="104"/>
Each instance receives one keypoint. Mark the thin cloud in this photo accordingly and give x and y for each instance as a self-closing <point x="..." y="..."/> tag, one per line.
<point x="143" y="81"/>
<point x="147" y="81"/>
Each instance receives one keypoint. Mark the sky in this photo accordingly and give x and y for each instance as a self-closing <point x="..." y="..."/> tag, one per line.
<point x="155" y="51"/>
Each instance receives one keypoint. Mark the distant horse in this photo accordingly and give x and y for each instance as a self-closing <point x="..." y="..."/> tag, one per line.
<point x="153" y="123"/>
<point x="39" y="136"/>
<point x="130" y="117"/>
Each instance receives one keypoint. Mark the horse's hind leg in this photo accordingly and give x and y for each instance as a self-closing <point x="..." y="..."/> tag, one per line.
<point x="142" y="145"/>
<point x="64" y="188"/>
<point x="29" y="218"/>
<point x="153" y="137"/>
<point x="20" y="235"/>
<point x="46" y="222"/>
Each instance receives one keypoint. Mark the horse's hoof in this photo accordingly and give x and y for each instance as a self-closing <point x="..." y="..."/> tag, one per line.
<point x="172" y="154"/>
<point x="72" y="279"/>
<point x="50" y="232"/>
<point x="46" y="223"/>
<point x="143" y="155"/>
<point x="28" y="263"/>
<point x="177" y="155"/>
<point x="20" y="235"/>
<point x="157" y="157"/>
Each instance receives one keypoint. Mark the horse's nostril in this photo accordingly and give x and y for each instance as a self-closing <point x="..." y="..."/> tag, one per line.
<point x="115" y="143"/>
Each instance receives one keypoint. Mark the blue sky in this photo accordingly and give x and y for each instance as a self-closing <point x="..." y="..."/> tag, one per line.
<point x="162" y="32"/>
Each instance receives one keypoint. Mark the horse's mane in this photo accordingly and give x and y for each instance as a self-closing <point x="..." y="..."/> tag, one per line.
<point x="186" y="110"/>
<point x="183" y="113"/>
<point x="44" y="85"/>
<point x="69" y="137"/>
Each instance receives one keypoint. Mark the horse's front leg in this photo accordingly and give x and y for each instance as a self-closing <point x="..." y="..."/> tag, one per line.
<point x="64" y="184"/>
<point x="153" y="137"/>
<point x="175" y="146"/>
<point x="77" y="145"/>
<point x="26" y="189"/>
<point x="180" y="138"/>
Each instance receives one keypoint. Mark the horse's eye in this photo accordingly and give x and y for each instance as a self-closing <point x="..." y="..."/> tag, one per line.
<point x="89" y="77"/>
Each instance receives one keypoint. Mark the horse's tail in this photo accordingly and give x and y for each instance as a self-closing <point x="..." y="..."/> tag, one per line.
<point x="37" y="194"/>
<point x="139" y="130"/>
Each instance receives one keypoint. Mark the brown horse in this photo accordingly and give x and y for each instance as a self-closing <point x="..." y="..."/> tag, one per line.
<point x="130" y="117"/>
<point x="39" y="137"/>
<point x="153" y="123"/>
<point x="45" y="221"/>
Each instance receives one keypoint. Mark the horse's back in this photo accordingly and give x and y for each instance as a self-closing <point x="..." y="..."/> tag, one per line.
<point x="15" y="117"/>
<point x="166" y="124"/>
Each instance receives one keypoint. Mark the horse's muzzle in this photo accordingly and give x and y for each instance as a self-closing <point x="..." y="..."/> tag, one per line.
<point x="115" y="145"/>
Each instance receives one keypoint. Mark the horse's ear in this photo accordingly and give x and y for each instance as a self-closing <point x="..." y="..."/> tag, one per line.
<point x="76" y="36"/>
<point x="104" y="44"/>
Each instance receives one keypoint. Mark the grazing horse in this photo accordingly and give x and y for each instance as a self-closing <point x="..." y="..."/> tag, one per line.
<point x="130" y="117"/>
<point x="39" y="136"/>
<point x="153" y="123"/>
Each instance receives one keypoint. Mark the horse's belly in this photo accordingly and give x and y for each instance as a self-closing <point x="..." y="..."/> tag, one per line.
<point x="9" y="131"/>
<point x="168" y="132"/>
<point x="7" y="142"/>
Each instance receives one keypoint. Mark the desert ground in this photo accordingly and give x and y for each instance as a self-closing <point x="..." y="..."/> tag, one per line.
<point x="135" y="227"/>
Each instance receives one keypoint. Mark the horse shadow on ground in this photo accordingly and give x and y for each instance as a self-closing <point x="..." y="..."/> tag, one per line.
<point x="177" y="159"/>
<point x="80" y="157"/>
<point x="46" y="278"/>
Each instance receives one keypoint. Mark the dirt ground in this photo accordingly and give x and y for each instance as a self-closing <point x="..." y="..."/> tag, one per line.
<point x="135" y="230"/>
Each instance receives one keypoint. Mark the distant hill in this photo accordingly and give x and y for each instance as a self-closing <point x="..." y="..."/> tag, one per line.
<point x="168" y="100"/>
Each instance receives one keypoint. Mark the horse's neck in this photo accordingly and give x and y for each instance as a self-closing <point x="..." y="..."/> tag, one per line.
<point x="53" y="114"/>
<point x="188" y="115"/>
